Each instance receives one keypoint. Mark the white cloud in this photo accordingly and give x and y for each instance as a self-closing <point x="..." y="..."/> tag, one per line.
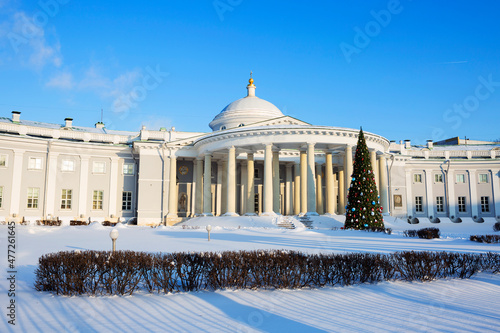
<point x="29" y="43"/>
<point x="62" y="80"/>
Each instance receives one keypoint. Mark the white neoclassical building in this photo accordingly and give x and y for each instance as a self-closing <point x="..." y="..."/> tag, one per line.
<point x="256" y="160"/>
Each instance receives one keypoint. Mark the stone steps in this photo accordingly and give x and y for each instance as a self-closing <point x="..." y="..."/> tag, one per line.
<point x="306" y="221"/>
<point x="285" y="222"/>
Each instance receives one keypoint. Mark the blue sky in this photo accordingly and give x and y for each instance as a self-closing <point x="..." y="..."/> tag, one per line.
<point x="403" y="69"/>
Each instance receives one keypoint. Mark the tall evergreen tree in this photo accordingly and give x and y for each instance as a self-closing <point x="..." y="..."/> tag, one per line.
<point x="363" y="209"/>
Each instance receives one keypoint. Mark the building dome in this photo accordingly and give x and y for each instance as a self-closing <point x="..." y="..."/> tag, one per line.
<point x="244" y="111"/>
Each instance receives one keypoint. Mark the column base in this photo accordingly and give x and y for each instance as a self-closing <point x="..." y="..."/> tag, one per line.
<point x="269" y="214"/>
<point x="312" y="214"/>
<point x="230" y="214"/>
<point x="250" y="214"/>
<point x="207" y="214"/>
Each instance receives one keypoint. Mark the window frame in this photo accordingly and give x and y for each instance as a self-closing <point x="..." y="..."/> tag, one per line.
<point x="439" y="204"/>
<point x="5" y="159"/>
<point x="127" y="202"/>
<point x="1" y="196"/>
<point x="460" y="181"/>
<point x="36" y="166"/>
<point x="462" y="206"/>
<point x="417" y="178"/>
<point x="419" y="206"/>
<point x="64" y="165"/>
<point x="485" y="204"/>
<point x="97" y="201"/>
<point x="483" y="181"/>
<point x="31" y="198"/>
<point x="126" y="171"/>
<point x="438" y="178"/>
<point x="66" y="199"/>
<point x="97" y="171"/>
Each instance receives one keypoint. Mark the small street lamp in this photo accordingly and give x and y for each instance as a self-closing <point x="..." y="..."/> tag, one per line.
<point x="114" y="235"/>
<point x="209" y="228"/>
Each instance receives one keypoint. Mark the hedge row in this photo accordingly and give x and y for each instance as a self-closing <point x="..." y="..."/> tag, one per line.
<point x="426" y="233"/>
<point x="123" y="272"/>
<point x="485" y="238"/>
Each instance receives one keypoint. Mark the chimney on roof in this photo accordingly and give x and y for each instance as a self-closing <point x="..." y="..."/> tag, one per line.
<point x="99" y="125"/>
<point x="407" y="144"/>
<point x="16" y="116"/>
<point x="68" y="122"/>
<point x="430" y="144"/>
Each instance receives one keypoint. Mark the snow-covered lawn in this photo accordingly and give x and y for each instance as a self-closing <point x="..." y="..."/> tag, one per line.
<point x="443" y="305"/>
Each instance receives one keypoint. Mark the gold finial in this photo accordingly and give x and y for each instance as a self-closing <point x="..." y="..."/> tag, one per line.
<point x="251" y="79"/>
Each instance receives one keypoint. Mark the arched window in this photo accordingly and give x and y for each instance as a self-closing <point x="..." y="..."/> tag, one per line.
<point x="222" y="128"/>
<point x="240" y="125"/>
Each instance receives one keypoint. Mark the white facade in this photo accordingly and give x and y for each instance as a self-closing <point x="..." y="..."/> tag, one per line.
<point x="256" y="161"/>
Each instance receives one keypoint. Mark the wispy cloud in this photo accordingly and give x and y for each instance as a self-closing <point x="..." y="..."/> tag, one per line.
<point x="62" y="80"/>
<point x="452" y="62"/>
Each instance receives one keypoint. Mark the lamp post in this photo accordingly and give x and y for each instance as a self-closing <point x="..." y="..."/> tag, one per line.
<point x="114" y="235"/>
<point x="209" y="228"/>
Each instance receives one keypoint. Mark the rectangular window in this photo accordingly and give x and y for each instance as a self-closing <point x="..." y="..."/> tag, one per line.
<point x="35" y="163"/>
<point x="256" y="173"/>
<point x="33" y="194"/>
<point x="483" y="178"/>
<point x="1" y="196"/>
<point x="99" y="167"/>
<point x="68" y="165"/>
<point x="438" y="178"/>
<point x="3" y="160"/>
<point x="66" y="197"/>
<point x="127" y="200"/>
<point x="418" y="204"/>
<point x="128" y="169"/>
<point x="417" y="178"/>
<point x="460" y="178"/>
<point x="97" y="200"/>
<point x="485" y="204"/>
<point x="440" y="204"/>
<point x="461" y="205"/>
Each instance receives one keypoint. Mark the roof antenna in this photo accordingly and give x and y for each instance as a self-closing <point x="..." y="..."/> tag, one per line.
<point x="101" y="115"/>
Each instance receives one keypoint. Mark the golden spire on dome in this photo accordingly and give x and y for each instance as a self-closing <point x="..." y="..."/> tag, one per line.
<point x="250" y="82"/>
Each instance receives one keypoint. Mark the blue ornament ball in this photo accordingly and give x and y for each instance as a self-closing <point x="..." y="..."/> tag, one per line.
<point x="373" y="202"/>
<point x="353" y="209"/>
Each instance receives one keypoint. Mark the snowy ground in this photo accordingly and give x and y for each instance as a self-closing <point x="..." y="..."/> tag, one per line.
<point x="444" y="305"/>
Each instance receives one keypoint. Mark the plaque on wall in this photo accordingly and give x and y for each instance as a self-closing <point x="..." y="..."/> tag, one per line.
<point x="398" y="200"/>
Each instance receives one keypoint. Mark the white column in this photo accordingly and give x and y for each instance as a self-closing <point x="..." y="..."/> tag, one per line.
<point x="218" y="188"/>
<point x="330" y="185"/>
<point x="341" y="189"/>
<point x="50" y="188"/>
<point x="296" y="189"/>
<point x="244" y="187"/>
<point x="335" y="193"/>
<point x="303" y="182"/>
<point x="428" y="192"/>
<point x="319" y="190"/>
<point x="268" y="180"/>
<point x="495" y="175"/>
<point x="113" y="186"/>
<point x="288" y="190"/>
<point x="172" y="187"/>
<point x="450" y="183"/>
<point x="409" y="198"/>
<point x="473" y="193"/>
<point x="384" y="189"/>
<point x="82" y="195"/>
<point x="199" y="187"/>
<point x="276" y="182"/>
<point x="251" y="185"/>
<point x="15" y="194"/>
<point x="224" y="188"/>
<point x="375" y="169"/>
<point x="231" y="182"/>
<point x="347" y="169"/>
<point x="311" y="188"/>
<point x="207" y="186"/>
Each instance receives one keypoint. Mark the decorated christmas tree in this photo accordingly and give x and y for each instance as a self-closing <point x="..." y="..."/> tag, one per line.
<point x="363" y="209"/>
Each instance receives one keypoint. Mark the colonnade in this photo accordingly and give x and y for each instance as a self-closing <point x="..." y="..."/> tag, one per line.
<point x="302" y="195"/>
